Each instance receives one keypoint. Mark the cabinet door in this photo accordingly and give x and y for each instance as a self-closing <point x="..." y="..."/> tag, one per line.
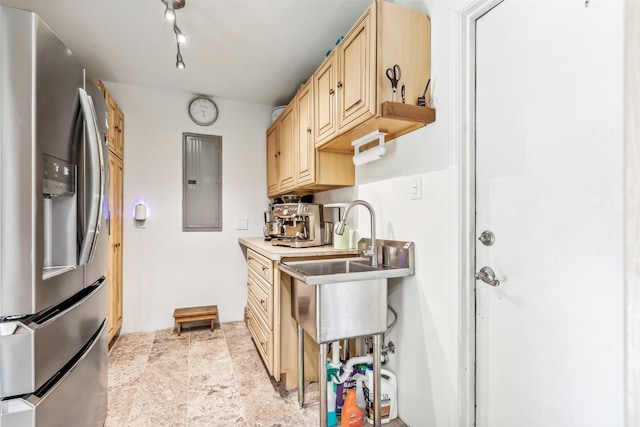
<point x="118" y="205"/>
<point x="286" y="151"/>
<point x="324" y="88"/>
<point x="356" y="77"/>
<point x="305" y="171"/>
<point x="113" y="118"/>
<point x="272" y="159"/>
<point x="113" y="249"/>
<point x="114" y="270"/>
<point x="119" y="137"/>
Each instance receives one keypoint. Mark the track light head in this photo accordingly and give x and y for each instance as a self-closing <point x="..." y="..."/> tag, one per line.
<point x="179" y="61"/>
<point x="180" y="37"/>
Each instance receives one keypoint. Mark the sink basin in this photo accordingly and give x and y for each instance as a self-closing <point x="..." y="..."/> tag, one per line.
<point x="322" y="272"/>
<point x="341" y="298"/>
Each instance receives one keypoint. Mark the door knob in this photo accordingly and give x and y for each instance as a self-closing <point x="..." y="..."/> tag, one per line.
<point x="487" y="275"/>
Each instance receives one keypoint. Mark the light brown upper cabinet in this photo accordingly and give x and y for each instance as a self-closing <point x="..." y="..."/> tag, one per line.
<point x="305" y="156"/>
<point x="345" y="83"/>
<point x="356" y="77"/>
<point x="294" y="165"/>
<point x="353" y="94"/>
<point x="286" y="149"/>
<point x="272" y="159"/>
<point x="116" y="126"/>
<point x="325" y="100"/>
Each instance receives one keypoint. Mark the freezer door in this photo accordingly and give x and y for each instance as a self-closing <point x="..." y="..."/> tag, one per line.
<point x="33" y="350"/>
<point x="38" y="108"/>
<point x="76" y="396"/>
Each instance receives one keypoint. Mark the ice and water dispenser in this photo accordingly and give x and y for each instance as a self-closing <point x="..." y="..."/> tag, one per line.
<point x="60" y="216"/>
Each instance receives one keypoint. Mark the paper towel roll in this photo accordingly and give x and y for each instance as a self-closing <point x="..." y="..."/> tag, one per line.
<point x="353" y="239"/>
<point x="341" y="242"/>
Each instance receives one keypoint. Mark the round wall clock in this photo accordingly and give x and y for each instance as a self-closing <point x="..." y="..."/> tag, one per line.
<point x="203" y="111"/>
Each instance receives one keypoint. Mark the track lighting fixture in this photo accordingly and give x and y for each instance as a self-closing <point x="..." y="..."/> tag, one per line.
<point x="170" y="15"/>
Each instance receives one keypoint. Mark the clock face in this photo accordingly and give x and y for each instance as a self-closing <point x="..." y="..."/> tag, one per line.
<point x="203" y="111"/>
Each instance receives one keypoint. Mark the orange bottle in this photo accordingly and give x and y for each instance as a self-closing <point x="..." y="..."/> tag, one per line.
<point x="351" y="415"/>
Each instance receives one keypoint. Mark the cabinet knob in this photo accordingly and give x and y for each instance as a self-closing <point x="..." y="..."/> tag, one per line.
<point x="308" y="130"/>
<point x="331" y="91"/>
<point x="261" y="301"/>
<point x="339" y="84"/>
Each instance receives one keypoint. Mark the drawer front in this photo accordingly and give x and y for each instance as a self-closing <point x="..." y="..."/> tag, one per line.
<point x="261" y="334"/>
<point x="65" y="329"/>
<point x="262" y="294"/>
<point x="75" y="396"/>
<point x="261" y="265"/>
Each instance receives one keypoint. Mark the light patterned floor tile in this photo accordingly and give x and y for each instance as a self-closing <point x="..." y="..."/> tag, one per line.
<point x="119" y="407"/>
<point x="163" y="384"/>
<point x="168" y="416"/>
<point x="200" y="379"/>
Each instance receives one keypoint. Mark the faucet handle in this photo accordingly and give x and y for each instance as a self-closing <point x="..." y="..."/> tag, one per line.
<point x="368" y="252"/>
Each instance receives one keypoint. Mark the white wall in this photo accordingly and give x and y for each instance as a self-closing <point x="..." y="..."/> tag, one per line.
<point x="165" y="268"/>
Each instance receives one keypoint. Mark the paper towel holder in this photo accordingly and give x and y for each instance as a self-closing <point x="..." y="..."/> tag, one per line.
<point x="371" y="154"/>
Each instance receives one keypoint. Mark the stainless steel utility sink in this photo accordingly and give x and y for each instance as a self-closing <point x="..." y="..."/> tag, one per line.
<point x="341" y="298"/>
<point x="322" y="272"/>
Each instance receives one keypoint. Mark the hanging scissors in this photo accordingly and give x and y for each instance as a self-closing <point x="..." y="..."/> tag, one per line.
<point x="393" y="74"/>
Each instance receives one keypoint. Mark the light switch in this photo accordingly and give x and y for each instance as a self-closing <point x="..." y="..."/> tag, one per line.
<point x="242" y="224"/>
<point x="415" y="187"/>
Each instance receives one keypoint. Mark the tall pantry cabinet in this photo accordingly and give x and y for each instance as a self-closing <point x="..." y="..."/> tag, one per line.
<point x="116" y="180"/>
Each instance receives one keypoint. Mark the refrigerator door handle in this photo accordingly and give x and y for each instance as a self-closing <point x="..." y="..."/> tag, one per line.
<point x="96" y="188"/>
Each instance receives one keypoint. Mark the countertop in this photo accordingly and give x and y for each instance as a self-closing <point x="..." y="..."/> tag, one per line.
<point x="276" y="253"/>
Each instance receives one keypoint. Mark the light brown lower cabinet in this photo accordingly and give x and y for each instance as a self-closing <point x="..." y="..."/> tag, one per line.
<point x="269" y="320"/>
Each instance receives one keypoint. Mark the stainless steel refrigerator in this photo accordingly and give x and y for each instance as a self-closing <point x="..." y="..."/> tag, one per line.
<point x="53" y="231"/>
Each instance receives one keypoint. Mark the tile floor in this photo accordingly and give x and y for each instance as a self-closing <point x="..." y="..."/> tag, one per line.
<point x="200" y="379"/>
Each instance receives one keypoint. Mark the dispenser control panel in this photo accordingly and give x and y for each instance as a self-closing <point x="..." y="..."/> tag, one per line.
<point x="59" y="177"/>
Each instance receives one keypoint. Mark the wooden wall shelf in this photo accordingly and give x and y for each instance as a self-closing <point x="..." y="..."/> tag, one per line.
<point x="396" y="119"/>
<point x="407" y="112"/>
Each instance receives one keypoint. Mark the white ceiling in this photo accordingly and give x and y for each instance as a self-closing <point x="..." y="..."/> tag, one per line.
<point x="250" y="50"/>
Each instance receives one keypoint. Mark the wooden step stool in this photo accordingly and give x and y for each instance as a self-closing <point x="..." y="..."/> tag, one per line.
<point x="192" y="314"/>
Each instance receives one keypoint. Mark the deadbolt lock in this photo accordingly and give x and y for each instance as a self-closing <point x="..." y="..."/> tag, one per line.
<point x="487" y="238"/>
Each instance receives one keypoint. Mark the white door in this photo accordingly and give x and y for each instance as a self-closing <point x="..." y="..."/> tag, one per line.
<point x="549" y="337"/>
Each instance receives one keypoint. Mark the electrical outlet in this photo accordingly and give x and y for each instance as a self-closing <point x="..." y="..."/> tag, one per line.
<point x="242" y="224"/>
<point x="415" y="187"/>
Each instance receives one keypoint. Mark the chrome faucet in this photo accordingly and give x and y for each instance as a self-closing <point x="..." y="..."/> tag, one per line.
<point x="372" y="252"/>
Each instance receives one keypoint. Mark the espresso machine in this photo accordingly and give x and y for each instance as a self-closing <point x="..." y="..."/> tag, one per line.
<point x="299" y="225"/>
